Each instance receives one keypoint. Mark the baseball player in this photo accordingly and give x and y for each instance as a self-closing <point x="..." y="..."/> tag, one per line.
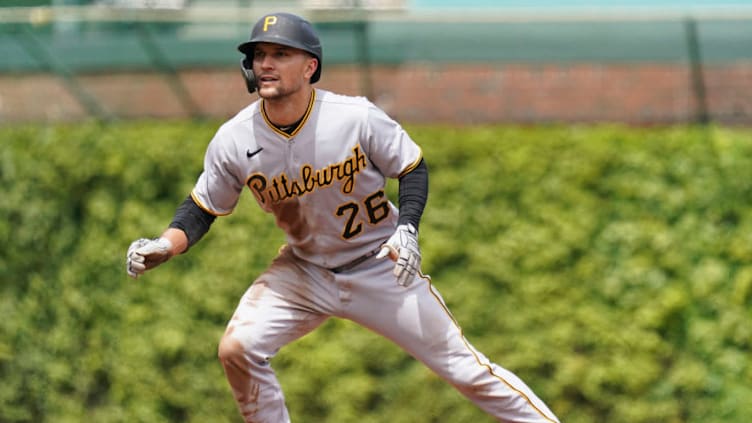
<point x="318" y="162"/>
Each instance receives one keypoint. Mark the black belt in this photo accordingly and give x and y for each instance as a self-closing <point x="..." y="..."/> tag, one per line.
<point x="349" y="265"/>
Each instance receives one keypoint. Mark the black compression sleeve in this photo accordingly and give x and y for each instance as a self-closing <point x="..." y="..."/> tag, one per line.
<point x="413" y="194"/>
<point x="193" y="220"/>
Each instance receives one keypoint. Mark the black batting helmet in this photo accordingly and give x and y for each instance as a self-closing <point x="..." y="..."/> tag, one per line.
<point x="285" y="29"/>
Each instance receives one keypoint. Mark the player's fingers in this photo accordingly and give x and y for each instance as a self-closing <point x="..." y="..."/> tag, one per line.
<point x="133" y="274"/>
<point x="399" y="267"/>
<point x="401" y="272"/>
<point x="130" y="271"/>
<point x="405" y="277"/>
<point x="137" y="267"/>
<point x="388" y="250"/>
<point x="134" y="269"/>
<point x="406" y="269"/>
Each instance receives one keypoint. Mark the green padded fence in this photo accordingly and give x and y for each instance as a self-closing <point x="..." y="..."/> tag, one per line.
<point x="49" y="40"/>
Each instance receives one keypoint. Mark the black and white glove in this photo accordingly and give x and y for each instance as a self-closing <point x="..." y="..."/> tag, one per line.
<point x="144" y="254"/>
<point x="402" y="247"/>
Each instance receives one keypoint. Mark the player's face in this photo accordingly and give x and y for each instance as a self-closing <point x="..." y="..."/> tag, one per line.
<point x="280" y="70"/>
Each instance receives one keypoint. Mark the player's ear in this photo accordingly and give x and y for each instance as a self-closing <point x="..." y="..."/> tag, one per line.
<point x="311" y="66"/>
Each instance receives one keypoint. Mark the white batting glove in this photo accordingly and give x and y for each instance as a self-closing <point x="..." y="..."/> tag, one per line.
<point x="402" y="247"/>
<point x="144" y="254"/>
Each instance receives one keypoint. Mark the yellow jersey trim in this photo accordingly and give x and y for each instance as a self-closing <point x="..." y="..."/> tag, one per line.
<point x="206" y="209"/>
<point x="302" y="120"/>
<point x="412" y="165"/>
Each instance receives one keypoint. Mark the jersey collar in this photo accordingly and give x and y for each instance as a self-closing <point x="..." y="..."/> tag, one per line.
<point x="302" y="120"/>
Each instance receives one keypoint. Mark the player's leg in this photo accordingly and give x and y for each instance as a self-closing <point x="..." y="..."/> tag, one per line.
<point x="276" y="310"/>
<point x="417" y="319"/>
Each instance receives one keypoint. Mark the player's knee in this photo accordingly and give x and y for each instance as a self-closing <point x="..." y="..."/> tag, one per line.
<point x="230" y="350"/>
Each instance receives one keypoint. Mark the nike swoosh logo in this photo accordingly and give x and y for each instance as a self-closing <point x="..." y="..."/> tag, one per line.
<point x="250" y="153"/>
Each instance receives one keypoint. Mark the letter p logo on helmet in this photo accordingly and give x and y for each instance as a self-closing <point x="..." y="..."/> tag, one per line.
<point x="269" y="21"/>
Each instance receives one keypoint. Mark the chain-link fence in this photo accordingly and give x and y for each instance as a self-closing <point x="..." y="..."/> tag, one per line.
<point x="122" y="59"/>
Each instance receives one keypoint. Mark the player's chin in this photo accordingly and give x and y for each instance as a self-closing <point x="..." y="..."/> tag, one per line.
<point x="268" y="92"/>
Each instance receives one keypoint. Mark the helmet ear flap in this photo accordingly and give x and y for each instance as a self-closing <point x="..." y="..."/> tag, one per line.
<point x="246" y="67"/>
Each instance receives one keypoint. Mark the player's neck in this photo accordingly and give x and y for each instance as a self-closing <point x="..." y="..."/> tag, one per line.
<point x="288" y="110"/>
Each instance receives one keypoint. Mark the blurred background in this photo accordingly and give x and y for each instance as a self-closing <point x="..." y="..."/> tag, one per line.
<point x="423" y="61"/>
<point x="589" y="222"/>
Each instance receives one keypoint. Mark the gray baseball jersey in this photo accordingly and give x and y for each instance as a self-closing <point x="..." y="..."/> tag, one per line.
<point x="323" y="183"/>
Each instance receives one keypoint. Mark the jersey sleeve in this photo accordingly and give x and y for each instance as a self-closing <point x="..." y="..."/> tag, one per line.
<point x="219" y="186"/>
<point x="390" y="148"/>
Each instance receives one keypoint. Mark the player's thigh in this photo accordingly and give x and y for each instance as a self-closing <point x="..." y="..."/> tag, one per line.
<point x="413" y="317"/>
<point x="274" y="311"/>
<point x="418" y="320"/>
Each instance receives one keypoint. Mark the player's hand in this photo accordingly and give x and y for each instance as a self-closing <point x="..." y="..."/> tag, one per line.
<point x="402" y="247"/>
<point x="144" y="254"/>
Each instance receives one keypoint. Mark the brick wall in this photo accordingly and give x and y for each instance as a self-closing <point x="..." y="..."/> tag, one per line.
<point x="418" y="93"/>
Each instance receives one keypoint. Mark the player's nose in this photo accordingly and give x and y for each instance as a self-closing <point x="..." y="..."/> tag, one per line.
<point x="267" y="62"/>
